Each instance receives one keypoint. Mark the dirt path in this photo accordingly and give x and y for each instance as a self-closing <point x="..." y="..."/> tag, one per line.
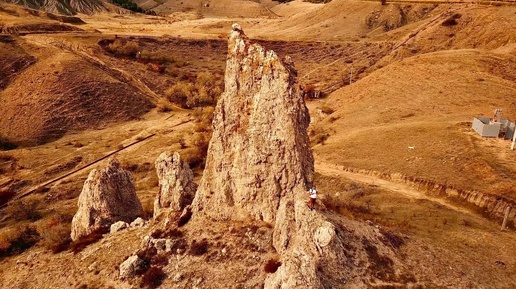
<point x="399" y="189"/>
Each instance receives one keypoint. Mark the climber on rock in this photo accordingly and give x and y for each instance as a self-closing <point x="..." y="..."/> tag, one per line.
<point x="313" y="197"/>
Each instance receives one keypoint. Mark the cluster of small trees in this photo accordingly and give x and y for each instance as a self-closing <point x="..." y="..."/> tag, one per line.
<point x="204" y="91"/>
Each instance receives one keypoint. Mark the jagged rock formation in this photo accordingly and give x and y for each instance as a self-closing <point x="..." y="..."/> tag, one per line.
<point x="176" y="186"/>
<point x="259" y="153"/>
<point x="108" y="196"/>
<point x="259" y="166"/>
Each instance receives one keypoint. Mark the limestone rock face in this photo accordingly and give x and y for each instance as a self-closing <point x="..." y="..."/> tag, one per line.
<point x="176" y="185"/>
<point x="108" y="196"/>
<point x="259" y="153"/>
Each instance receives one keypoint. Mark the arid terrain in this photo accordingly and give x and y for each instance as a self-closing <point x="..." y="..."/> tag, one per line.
<point x="415" y="194"/>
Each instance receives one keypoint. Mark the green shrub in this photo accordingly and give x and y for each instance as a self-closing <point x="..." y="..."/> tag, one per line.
<point x="126" y="4"/>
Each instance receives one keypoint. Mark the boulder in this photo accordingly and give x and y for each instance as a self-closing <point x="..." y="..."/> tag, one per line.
<point x="118" y="226"/>
<point x="131" y="266"/>
<point x="138" y="222"/>
<point x="176" y="185"/>
<point x="108" y="196"/>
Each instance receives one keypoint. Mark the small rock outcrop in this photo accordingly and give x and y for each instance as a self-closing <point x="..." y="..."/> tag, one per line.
<point x="108" y="196"/>
<point x="131" y="266"/>
<point x="118" y="226"/>
<point x="176" y="185"/>
<point x="259" y="152"/>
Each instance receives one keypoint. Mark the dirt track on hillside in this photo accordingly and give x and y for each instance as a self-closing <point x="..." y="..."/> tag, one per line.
<point x="395" y="188"/>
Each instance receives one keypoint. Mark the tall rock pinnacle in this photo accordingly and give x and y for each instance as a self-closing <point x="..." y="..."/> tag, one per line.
<point x="259" y="153"/>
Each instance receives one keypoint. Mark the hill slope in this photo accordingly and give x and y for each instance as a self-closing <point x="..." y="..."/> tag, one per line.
<point x="427" y="102"/>
<point x="66" y="7"/>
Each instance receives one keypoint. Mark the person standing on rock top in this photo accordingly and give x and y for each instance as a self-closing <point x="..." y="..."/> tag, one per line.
<point x="313" y="197"/>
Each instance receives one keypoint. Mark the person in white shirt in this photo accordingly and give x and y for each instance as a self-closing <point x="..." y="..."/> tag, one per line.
<point x="313" y="197"/>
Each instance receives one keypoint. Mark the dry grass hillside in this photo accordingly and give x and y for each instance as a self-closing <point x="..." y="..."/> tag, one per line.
<point x="73" y="92"/>
<point x="67" y="7"/>
<point x="427" y="101"/>
<point x="218" y="9"/>
<point x="61" y="92"/>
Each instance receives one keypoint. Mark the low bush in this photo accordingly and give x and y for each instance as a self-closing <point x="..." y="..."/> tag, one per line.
<point x="64" y="167"/>
<point x="55" y="233"/>
<point x="318" y="1"/>
<point x="169" y="233"/>
<point x="153" y="277"/>
<point x="6" y="145"/>
<point x="184" y="218"/>
<point x="28" y="208"/>
<point x="164" y="105"/>
<point x="83" y="242"/>
<point x="318" y="135"/>
<point x="203" y="91"/>
<point x="17" y="240"/>
<point x="123" y="48"/>
<point x="6" y="194"/>
<point x="452" y="20"/>
<point x="327" y="110"/>
<point x="380" y="265"/>
<point x="198" y="248"/>
<point x="392" y="239"/>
